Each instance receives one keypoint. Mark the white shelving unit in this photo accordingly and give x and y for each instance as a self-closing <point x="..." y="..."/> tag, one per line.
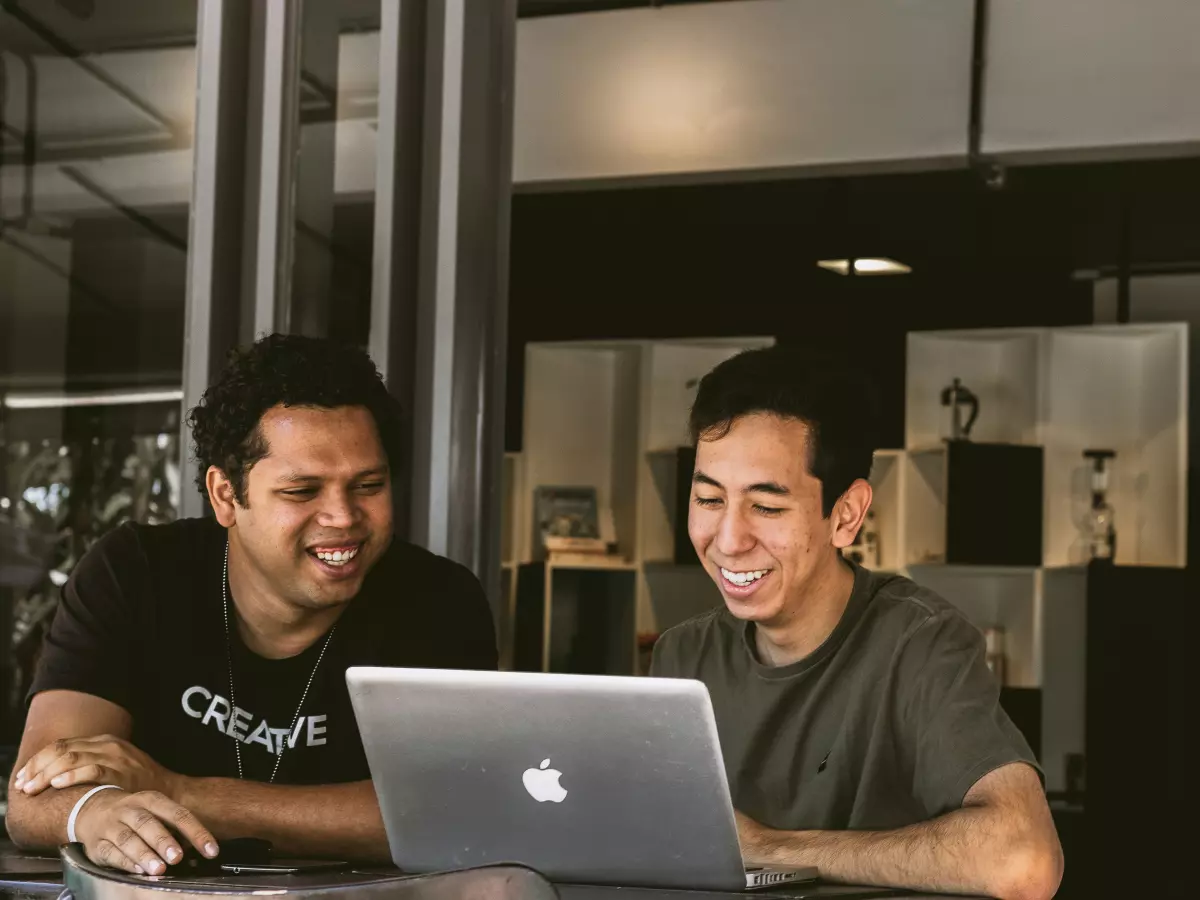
<point x="1119" y="387"/>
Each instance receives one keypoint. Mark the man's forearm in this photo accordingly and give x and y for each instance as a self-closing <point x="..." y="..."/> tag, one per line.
<point x="970" y="850"/>
<point x="40" y="823"/>
<point x="338" y="821"/>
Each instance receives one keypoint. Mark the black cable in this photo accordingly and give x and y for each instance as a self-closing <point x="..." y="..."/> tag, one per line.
<point x="978" y="71"/>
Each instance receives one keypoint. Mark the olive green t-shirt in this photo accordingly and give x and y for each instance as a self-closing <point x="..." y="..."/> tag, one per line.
<point x="889" y="722"/>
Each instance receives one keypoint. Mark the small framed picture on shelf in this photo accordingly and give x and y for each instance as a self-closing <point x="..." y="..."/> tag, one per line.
<point x="567" y="519"/>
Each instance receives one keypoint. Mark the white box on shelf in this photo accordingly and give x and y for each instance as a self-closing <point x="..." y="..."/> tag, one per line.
<point x="1001" y="367"/>
<point x="1120" y="388"/>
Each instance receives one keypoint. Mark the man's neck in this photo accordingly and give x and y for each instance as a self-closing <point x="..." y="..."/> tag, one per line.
<point x="810" y="620"/>
<point x="268" y="624"/>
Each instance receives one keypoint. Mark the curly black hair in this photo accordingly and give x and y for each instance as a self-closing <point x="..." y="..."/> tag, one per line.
<point x="287" y="370"/>
<point x="836" y="403"/>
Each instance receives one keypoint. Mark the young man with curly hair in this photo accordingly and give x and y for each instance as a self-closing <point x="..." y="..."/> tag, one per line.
<point x="199" y="667"/>
<point x="861" y="729"/>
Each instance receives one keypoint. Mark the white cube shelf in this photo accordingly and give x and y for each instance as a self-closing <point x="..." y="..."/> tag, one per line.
<point x="1122" y="388"/>
<point x="1001" y="367"/>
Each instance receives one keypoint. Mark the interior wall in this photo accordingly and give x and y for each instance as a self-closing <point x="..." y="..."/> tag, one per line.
<point x="1087" y="77"/>
<point x="751" y="85"/>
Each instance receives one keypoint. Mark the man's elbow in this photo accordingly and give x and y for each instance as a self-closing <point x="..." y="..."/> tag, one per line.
<point x="1031" y="870"/>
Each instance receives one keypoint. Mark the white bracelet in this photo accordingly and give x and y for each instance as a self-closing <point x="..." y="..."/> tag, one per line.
<point x="71" y="838"/>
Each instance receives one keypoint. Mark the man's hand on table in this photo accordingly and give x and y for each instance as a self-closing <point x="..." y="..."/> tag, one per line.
<point x="136" y="828"/>
<point x="96" y="760"/>
<point x="134" y="831"/>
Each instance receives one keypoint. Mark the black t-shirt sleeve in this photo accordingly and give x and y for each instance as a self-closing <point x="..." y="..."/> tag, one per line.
<point x="472" y="633"/>
<point x="89" y="647"/>
<point x="953" y="728"/>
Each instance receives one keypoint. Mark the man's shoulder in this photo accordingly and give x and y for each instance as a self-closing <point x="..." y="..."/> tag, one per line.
<point x="413" y="595"/>
<point x="132" y="544"/>
<point x="418" y="563"/>
<point x="903" y="608"/>
<point x="712" y="623"/>
<point x="689" y="643"/>
<point x="417" y="571"/>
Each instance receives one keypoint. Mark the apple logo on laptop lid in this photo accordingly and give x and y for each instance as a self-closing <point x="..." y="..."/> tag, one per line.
<point x="542" y="783"/>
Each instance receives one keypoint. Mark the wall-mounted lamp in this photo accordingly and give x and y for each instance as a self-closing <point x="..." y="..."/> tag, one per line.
<point x="865" y="265"/>
<point x="98" y="398"/>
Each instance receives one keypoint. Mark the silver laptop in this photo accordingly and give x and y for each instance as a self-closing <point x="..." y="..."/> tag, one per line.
<point x="588" y="779"/>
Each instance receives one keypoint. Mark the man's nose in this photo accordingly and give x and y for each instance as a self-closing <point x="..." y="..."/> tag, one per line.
<point x="734" y="536"/>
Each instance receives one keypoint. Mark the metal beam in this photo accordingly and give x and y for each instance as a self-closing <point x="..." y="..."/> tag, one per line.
<point x="275" y="241"/>
<point x="440" y="286"/>
<point x="217" y="225"/>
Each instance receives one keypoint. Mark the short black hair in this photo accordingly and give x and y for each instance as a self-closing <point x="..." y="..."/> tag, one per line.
<point x="287" y="370"/>
<point x="835" y="402"/>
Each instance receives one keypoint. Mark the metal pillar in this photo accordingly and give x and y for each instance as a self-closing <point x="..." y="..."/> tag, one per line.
<point x="215" y="244"/>
<point x="439" y="306"/>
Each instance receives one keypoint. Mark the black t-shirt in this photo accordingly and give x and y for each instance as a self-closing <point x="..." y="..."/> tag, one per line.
<point x="141" y="625"/>
<point x="888" y="723"/>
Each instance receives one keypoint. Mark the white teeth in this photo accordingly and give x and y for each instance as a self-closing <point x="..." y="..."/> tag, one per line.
<point x="744" y="578"/>
<point x="337" y="557"/>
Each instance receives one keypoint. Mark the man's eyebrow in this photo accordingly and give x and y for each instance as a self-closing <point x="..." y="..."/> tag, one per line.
<point x="768" y="487"/>
<point x="298" y="478"/>
<point x="375" y="472"/>
<point x="762" y="487"/>
<point x="301" y="478"/>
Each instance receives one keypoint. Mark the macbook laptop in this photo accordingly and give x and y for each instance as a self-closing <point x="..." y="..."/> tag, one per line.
<point x="588" y="779"/>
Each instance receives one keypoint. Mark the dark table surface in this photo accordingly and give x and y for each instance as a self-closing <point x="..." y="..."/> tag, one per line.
<point x="25" y="876"/>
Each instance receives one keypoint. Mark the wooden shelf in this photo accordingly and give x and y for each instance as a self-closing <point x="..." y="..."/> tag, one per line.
<point x="592" y="562"/>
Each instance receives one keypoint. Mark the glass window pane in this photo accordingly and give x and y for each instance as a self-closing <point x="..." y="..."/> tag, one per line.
<point x="335" y="178"/>
<point x="96" y="115"/>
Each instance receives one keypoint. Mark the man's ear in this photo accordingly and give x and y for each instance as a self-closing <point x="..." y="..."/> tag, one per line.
<point x="221" y="496"/>
<point x="849" y="513"/>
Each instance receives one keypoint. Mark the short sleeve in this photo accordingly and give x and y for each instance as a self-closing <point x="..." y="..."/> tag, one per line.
<point x="954" y="729"/>
<point x="89" y="647"/>
<point x="664" y="660"/>
<point x="474" y="646"/>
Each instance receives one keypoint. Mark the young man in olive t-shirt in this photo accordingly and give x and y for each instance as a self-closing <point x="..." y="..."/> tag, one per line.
<point x="861" y="728"/>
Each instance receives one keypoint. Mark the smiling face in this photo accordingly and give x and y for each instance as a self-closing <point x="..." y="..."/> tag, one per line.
<point x="318" y="510"/>
<point x="756" y="518"/>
